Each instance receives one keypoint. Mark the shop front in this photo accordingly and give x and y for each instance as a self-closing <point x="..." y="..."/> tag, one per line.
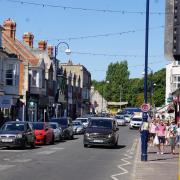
<point x="176" y="101"/>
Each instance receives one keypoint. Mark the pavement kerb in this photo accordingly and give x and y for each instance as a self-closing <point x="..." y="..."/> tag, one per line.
<point x="136" y="160"/>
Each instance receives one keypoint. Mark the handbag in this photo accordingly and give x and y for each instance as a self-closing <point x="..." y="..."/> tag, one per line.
<point x="156" y="140"/>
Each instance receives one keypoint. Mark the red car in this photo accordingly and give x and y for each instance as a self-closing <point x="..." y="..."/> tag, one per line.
<point x="43" y="132"/>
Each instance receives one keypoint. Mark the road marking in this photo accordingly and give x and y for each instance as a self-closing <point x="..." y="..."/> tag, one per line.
<point x="12" y="150"/>
<point x="46" y="152"/>
<point x="128" y="156"/>
<point x="57" y="148"/>
<point x="4" y="167"/>
<point x="21" y="160"/>
<point x="17" y="160"/>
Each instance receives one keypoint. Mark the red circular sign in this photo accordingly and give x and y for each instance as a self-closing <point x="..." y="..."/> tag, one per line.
<point x="145" y="107"/>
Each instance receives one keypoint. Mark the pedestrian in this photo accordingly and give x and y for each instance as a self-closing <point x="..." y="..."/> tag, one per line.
<point x="152" y="131"/>
<point x="178" y="135"/>
<point x="160" y="130"/>
<point x="172" y="136"/>
<point x="167" y="133"/>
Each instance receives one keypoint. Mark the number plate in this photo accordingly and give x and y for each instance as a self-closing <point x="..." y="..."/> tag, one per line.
<point x="7" y="140"/>
<point x="98" y="141"/>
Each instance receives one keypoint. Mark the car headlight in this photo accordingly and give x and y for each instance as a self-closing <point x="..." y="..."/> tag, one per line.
<point x="110" y="135"/>
<point x="87" y="134"/>
<point x="19" y="136"/>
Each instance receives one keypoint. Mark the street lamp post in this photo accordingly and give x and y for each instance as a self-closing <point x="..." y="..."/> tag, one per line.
<point x="67" y="51"/>
<point x="120" y="97"/>
<point x="144" y="132"/>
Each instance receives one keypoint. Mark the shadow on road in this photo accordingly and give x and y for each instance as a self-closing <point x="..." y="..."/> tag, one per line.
<point x="107" y="147"/>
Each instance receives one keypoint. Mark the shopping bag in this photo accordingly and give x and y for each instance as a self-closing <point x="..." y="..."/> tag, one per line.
<point x="156" y="140"/>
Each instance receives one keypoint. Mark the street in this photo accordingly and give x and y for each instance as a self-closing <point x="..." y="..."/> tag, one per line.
<point x="70" y="160"/>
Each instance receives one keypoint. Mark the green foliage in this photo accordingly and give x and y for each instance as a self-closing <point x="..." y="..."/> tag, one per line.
<point x="132" y="89"/>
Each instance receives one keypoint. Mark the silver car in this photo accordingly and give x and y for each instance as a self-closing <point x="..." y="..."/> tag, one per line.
<point x="58" y="134"/>
<point x="84" y="120"/>
<point x="120" y="120"/>
<point x="78" y="127"/>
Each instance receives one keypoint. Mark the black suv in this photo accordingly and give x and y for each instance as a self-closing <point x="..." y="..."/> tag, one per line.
<point x="66" y="125"/>
<point x="17" y="134"/>
<point x="101" y="131"/>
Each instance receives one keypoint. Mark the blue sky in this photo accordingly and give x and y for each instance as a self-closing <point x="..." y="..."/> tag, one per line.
<point x="56" y="23"/>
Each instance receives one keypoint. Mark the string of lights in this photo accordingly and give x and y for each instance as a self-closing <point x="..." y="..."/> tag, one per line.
<point x="44" y="5"/>
<point x="104" y="35"/>
<point x="113" y="55"/>
<point x="132" y="66"/>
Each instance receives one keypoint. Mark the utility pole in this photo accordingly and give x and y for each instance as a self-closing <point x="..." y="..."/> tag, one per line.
<point x="144" y="133"/>
<point x="120" y="97"/>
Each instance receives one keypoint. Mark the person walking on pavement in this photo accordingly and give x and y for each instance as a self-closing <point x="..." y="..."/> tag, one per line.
<point x="178" y="135"/>
<point x="152" y="131"/>
<point x="167" y="133"/>
<point x="172" y="136"/>
<point x="160" y="130"/>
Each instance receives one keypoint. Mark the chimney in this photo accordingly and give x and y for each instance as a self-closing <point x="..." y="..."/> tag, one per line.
<point x="42" y="45"/>
<point x="28" y="39"/>
<point x="50" y="51"/>
<point x="10" y="28"/>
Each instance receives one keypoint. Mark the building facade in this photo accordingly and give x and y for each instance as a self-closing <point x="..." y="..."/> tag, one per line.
<point x="172" y="79"/>
<point x="79" y="90"/>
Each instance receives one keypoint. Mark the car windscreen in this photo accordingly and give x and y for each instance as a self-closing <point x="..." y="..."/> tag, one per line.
<point x="13" y="127"/>
<point x="60" y="121"/>
<point x="76" y="123"/>
<point x="119" y="117"/>
<point x="100" y="123"/>
<point x="83" y="120"/>
<point x="54" y="126"/>
<point x="136" y="119"/>
<point x="38" y="126"/>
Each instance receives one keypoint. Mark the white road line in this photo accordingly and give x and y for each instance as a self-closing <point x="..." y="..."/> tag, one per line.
<point x="125" y="159"/>
<point x="46" y="152"/>
<point x="57" y="148"/>
<point x="4" y="167"/>
<point x="125" y="171"/>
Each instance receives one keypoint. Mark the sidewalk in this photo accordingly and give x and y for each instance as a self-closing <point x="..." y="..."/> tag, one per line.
<point x="158" y="167"/>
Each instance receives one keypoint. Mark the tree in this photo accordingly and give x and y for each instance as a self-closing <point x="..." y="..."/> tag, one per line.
<point x="117" y="75"/>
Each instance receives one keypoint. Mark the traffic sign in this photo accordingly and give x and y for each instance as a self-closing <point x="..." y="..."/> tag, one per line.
<point x="145" y="107"/>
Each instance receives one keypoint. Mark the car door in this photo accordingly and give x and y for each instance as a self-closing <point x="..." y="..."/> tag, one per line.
<point x="29" y="133"/>
<point x="115" y="126"/>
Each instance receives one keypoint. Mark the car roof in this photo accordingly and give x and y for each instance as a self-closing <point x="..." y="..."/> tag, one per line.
<point x="17" y="122"/>
<point x="102" y="118"/>
<point x="77" y="121"/>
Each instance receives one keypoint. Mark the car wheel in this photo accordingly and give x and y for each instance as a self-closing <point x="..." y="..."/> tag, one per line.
<point x="52" y="141"/>
<point x="32" y="145"/>
<point x="45" y="142"/>
<point x="72" y="137"/>
<point x="85" y="145"/>
<point x="24" y="144"/>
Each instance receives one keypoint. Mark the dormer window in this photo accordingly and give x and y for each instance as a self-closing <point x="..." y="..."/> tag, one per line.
<point x="35" y="78"/>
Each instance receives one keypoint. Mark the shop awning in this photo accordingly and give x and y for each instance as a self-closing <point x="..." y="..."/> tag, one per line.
<point x="6" y="101"/>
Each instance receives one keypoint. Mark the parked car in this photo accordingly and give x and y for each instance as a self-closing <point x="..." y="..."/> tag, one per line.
<point x="84" y="120"/>
<point x="127" y="117"/>
<point x="43" y="132"/>
<point x="101" y="131"/>
<point x="66" y="124"/>
<point x="120" y="120"/>
<point x="58" y="133"/>
<point x="78" y="127"/>
<point x="17" y="134"/>
<point x="135" y="122"/>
